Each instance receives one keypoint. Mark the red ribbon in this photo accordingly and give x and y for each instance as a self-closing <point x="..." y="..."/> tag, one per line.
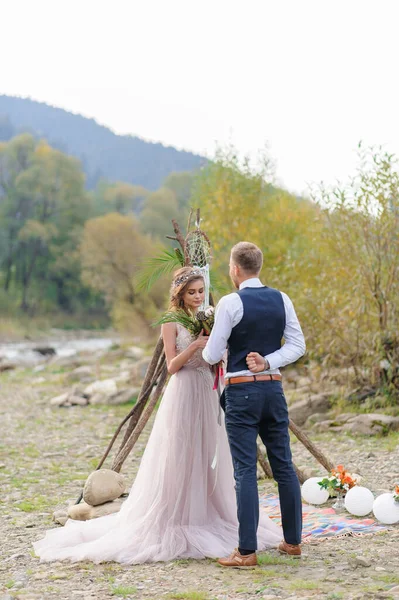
<point x="218" y="376"/>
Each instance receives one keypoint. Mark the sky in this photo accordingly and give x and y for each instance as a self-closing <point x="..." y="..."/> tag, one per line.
<point x="308" y="78"/>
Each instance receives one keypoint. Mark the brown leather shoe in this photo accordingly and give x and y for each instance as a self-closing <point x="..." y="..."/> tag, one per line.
<point x="293" y="550"/>
<point x="238" y="560"/>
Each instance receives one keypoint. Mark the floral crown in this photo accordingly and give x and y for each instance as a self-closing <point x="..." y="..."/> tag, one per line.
<point x="186" y="277"/>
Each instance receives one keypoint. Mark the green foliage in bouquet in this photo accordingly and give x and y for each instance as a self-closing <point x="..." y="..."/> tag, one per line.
<point x="203" y="320"/>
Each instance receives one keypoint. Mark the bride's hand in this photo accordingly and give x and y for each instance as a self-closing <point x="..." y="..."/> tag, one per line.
<point x="201" y="341"/>
<point x="256" y="362"/>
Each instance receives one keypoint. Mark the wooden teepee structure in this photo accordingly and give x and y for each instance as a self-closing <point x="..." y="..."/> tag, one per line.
<point x="156" y="377"/>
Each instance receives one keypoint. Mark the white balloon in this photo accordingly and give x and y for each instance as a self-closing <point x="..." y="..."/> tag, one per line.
<point x="359" y="501"/>
<point x="313" y="493"/>
<point x="386" y="509"/>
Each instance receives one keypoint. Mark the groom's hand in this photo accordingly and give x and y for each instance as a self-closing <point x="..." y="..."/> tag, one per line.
<point x="257" y="363"/>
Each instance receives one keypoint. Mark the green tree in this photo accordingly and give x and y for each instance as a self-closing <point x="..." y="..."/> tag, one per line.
<point x="112" y="252"/>
<point x="240" y="202"/>
<point x="120" y="197"/>
<point x="15" y="206"/>
<point x="182" y="185"/>
<point x="43" y="206"/>
<point x="362" y="235"/>
<point x="55" y="184"/>
<point x="159" y="209"/>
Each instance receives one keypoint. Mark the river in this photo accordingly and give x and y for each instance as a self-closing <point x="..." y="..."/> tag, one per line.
<point x="24" y="353"/>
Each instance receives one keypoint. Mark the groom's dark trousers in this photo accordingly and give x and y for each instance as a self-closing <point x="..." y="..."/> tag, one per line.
<point x="254" y="408"/>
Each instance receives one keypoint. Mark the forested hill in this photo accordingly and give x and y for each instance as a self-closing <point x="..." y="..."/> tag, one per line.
<point x="102" y="153"/>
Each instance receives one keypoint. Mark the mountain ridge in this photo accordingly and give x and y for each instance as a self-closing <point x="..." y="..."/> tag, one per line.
<point x="103" y="153"/>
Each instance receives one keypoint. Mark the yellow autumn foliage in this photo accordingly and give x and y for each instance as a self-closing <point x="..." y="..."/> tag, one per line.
<point x="336" y="254"/>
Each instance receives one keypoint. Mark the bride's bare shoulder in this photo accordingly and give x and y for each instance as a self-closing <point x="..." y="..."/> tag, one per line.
<point x="169" y="330"/>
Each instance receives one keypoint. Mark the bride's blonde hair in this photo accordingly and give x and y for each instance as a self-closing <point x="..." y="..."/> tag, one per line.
<point x="181" y="280"/>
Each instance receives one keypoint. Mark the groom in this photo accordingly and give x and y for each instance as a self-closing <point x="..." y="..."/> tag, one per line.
<point x="257" y="318"/>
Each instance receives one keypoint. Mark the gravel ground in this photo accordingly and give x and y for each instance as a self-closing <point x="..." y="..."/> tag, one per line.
<point x="46" y="454"/>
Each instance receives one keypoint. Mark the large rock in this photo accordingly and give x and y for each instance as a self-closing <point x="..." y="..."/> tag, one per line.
<point x="45" y="350"/>
<point x="327" y="425"/>
<point x="314" y="418"/>
<point x="100" y="392"/>
<point x="343" y="418"/>
<point x="61" y="400"/>
<point x="105" y="387"/>
<point x="7" y="367"/>
<point x="85" y="512"/>
<point x="60" y="517"/>
<point x="72" y="398"/>
<point x="317" y="403"/>
<point x="323" y="422"/>
<point x="371" y="424"/>
<point x="121" y="397"/>
<point x="75" y="400"/>
<point x="103" y="486"/>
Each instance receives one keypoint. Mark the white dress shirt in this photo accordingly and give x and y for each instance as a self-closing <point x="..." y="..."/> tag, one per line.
<point x="229" y="313"/>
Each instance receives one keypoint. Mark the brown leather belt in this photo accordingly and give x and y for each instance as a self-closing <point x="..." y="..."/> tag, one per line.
<point x="248" y="378"/>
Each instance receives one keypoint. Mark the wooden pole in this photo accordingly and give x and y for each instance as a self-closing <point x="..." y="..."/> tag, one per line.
<point x="127" y="448"/>
<point x="299" y="473"/>
<point x="318" y="454"/>
<point x="153" y="372"/>
<point x="264" y="463"/>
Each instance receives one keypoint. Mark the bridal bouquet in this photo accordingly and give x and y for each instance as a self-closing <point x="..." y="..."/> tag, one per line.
<point x="339" y="480"/>
<point x="202" y="320"/>
<point x="396" y="493"/>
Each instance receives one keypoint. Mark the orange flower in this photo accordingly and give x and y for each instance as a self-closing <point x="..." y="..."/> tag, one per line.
<point x="343" y="477"/>
<point x="337" y="473"/>
<point x="397" y="489"/>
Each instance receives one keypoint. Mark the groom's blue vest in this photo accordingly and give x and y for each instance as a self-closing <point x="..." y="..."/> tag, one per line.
<point x="261" y="328"/>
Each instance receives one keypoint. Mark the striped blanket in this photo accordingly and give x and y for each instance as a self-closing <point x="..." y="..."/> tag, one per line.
<point x="322" y="522"/>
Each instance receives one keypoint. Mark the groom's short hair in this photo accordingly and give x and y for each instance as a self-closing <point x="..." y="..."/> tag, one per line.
<point x="247" y="256"/>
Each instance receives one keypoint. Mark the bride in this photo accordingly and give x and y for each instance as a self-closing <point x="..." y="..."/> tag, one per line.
<point x="182" y="503"/>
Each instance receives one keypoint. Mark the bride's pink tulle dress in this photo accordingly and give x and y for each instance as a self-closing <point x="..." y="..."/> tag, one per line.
<point x="182" y="503"/>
